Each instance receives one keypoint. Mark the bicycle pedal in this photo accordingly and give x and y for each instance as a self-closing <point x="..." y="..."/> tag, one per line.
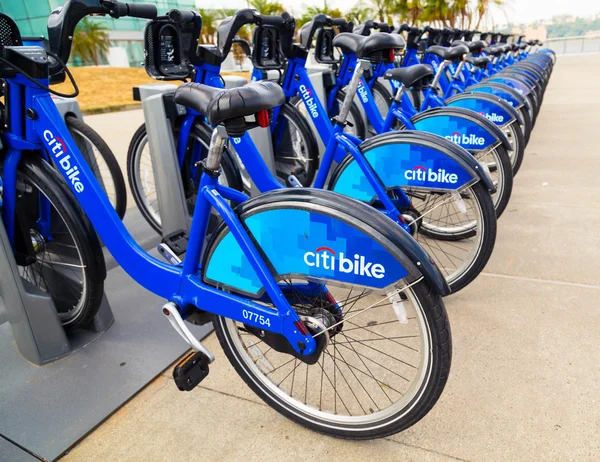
<point x="176" y="241"/>
<point x="191" y="371"/>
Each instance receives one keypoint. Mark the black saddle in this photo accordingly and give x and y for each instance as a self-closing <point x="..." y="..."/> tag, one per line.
<point x="494" y="51"/>
<point x="416" y="76"/>
<point x="481" y="62"/>
<point x="453" y="54"/>
<point x="523" y="46"/>
<point x="220" y="105"/>
<point x="366" y="47"/>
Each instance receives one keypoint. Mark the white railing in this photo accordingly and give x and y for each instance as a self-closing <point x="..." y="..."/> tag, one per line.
<point x="572" y="45"/>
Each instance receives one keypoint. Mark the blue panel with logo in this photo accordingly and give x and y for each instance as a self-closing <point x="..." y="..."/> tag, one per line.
<point x="399" y="165"/>
<point x="460" y="130"/>
<point x="490" y="110"/>
<point x="305" y="243"/>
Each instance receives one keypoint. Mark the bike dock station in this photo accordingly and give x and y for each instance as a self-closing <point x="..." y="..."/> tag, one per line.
<point x="50" y="377"/>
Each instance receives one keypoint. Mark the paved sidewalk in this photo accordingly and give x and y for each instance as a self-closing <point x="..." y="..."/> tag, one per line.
<point x="525" y="380"/>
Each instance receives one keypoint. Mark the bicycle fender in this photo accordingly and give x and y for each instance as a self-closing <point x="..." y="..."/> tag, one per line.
<point x="500" y="90"/>
<point x="332" y="238"/>
<point x="408" y="159"/>
<point x="517" y="85"/>
<point x="464" y="127"/>
<point x="493" y="108"/>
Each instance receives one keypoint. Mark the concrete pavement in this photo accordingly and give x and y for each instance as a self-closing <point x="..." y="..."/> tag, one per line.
<point x="525" y="379"/>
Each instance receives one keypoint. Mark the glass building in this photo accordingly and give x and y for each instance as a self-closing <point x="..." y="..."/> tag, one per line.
<point x="32" y="17"/>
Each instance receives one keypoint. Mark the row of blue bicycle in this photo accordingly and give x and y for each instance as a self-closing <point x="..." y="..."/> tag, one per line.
<point x="325" y="289"/>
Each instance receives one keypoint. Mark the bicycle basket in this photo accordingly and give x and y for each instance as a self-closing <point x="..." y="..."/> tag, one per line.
<point x="165" y="57"/>
<point x="266" y="51"/>
<point x="324" y="49"/>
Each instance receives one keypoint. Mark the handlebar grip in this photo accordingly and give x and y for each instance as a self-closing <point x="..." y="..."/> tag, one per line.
<point x="181" y="16"/>
<point x="141" y="10"/>
<point x="276" y="21"/>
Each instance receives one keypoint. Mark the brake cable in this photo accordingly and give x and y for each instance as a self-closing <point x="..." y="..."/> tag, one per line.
<point x="48" y="89"/>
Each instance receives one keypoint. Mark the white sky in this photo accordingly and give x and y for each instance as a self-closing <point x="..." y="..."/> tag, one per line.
<point x="515" y="11"/>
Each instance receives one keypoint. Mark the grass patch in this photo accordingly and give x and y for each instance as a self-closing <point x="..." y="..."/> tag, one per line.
<point x="104" y="89"/>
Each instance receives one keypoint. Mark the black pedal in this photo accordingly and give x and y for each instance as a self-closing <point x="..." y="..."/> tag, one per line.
<point x="191" y="371"/>
<point x="177" y="242"/>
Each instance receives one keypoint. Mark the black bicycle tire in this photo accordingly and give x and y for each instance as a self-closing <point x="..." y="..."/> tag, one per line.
<point x="291" y="112"/>
<point x="108" y="156"/>
<point x="47" y="180"/>
<point x="228" y="168"/>
<point x="441" y="344"/>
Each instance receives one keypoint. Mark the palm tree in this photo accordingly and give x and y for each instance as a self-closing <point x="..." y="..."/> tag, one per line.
<point x="415" y="11"/>
<point x="312" y="11"/>
<point x="209" y="24"/>
<point x="483" y="8"/>
<point x="266" y="7"/>
<point x="437" y="10"/>
<point x="359" y="13"/>
<point x="90" y="41"/>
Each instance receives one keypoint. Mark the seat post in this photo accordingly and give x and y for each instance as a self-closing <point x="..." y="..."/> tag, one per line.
<point x="215" y="150"/>
<point x="399" y="93"/>
<point x="438" y="75"/>
<point x="362" y="65"/>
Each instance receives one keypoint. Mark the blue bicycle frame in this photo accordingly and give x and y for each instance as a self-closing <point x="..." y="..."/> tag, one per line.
<point x="46" y="133"/>
<point x="338" y="144"/>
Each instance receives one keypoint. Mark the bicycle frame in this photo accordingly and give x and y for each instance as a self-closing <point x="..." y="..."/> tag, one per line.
<point x="44" y="131"/>
<point x="338" y="143"/>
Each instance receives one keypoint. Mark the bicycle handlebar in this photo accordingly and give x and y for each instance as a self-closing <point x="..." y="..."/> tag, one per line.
<point x="229" y="27"/>
<point x="63" y="20"/>
<point x="181" y="16"/>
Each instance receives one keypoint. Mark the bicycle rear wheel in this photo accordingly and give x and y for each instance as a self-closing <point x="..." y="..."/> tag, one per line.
<point x="389" y="351"/>
<point x="63" y="259"/>
<point x="102" y="162"/>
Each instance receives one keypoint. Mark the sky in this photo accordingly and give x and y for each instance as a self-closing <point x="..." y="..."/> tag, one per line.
<point x="515" y="11"/>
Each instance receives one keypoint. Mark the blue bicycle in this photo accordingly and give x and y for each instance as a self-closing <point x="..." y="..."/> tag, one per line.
<point x="452" y="217"/>
<point x="461" y="123"/>
<point x="328" y="310"/>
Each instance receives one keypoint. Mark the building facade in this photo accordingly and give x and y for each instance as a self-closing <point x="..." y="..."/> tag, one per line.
<point x="124" y="33"/>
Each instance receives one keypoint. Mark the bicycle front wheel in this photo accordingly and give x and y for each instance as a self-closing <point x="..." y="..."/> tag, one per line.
<point x="57" y="252"/>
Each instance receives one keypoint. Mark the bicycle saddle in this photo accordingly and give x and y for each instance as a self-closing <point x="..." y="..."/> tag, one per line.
<point x="481" y="62"/>
<point x="413" y="76"/>
<point x="449" y="54"/>
<point x="494" y="51"/>
<point x="362" y="47"/>
<point x="474" y="47"/>
<point x="220" y="105"/>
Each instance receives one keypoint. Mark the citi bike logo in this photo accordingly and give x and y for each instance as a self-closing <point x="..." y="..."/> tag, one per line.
<point x="59" y="151"/>
<point x="362" y="92"/>
<point x="326" y="258"/>
<point x="420" y="173"/>
<point x="471" y="139"/>
<point x="309" y="100"/>
<point x="493" y="117"/>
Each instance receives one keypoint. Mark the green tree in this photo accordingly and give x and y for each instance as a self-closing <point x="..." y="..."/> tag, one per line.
<point x="437" y="11"/>
<point x="359" y="13"/>
<point x="266" y="7"/>
<point x="312" y="11"/>
<point x="90" y="42"/>
<point x="209" y="24"/>
<point x="483" y="8"/>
